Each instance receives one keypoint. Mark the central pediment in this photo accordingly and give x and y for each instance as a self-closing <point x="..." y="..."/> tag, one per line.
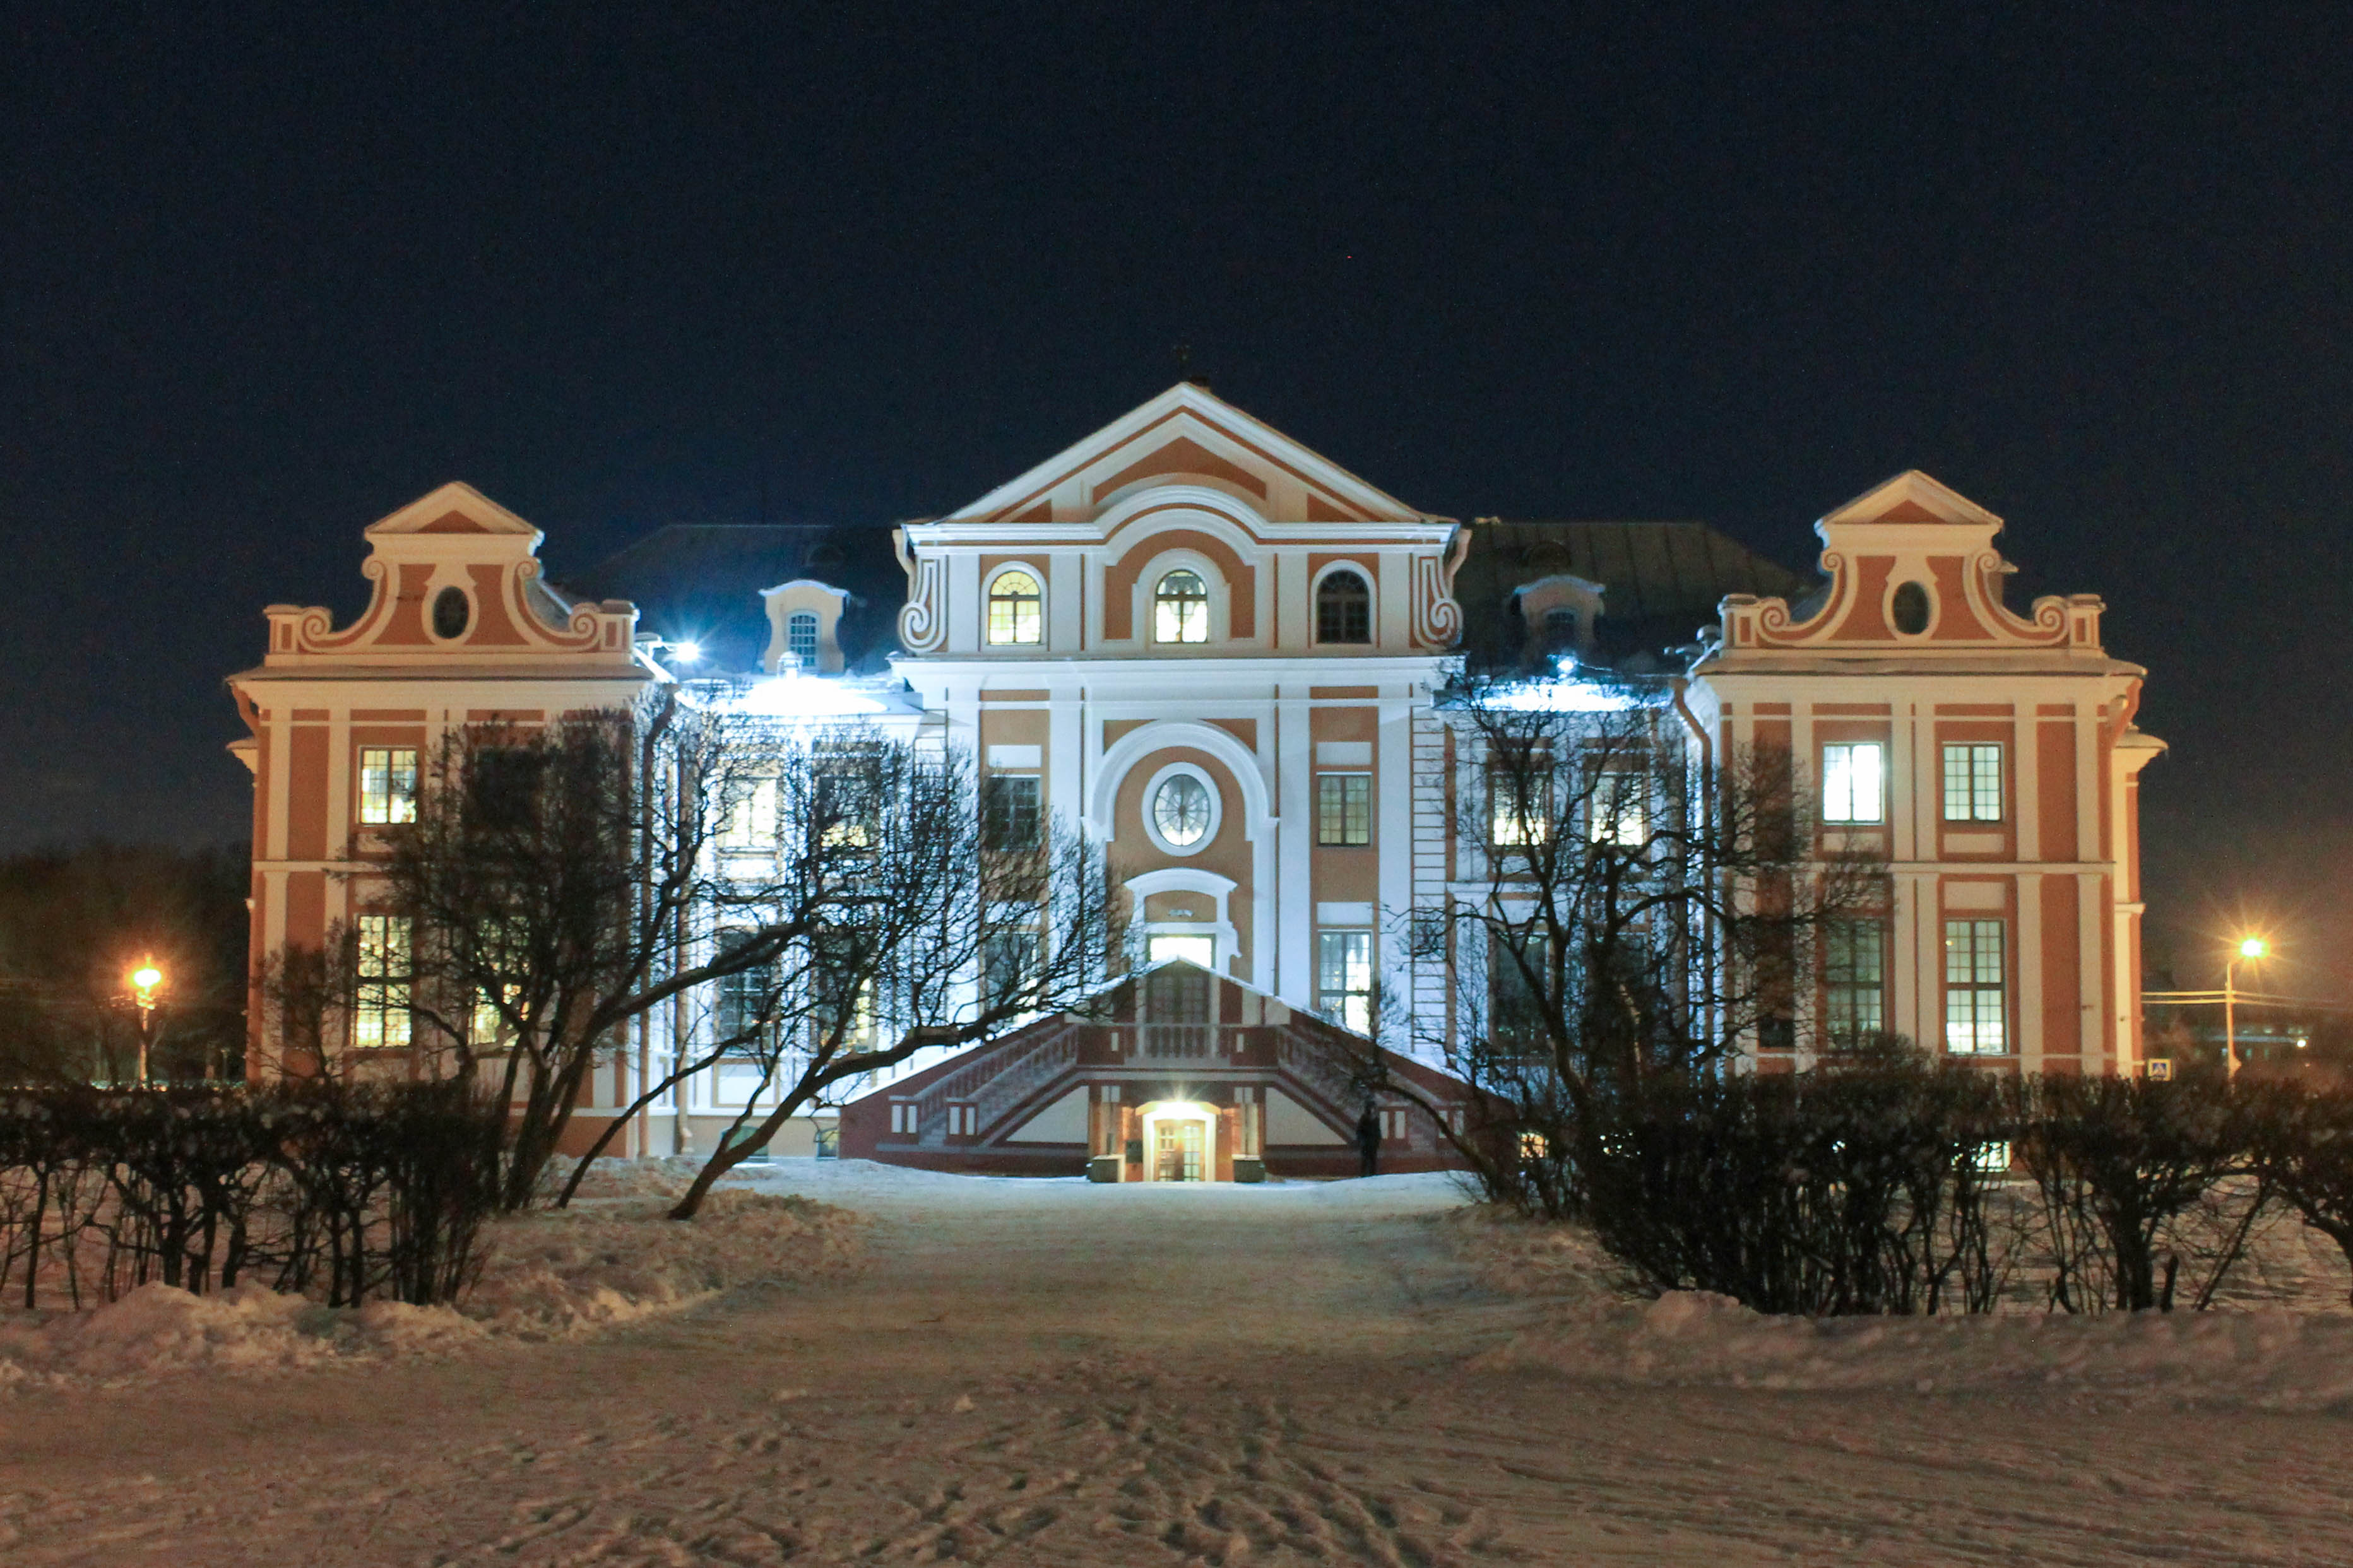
<point x="1187" y="438"/>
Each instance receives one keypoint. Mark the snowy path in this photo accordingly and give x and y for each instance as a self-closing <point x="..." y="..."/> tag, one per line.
<point x="1047" y="1373"/>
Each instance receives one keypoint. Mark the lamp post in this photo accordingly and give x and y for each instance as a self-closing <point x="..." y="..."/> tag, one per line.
<point x="2251" y="947"/>
<point x="145" y="981"/>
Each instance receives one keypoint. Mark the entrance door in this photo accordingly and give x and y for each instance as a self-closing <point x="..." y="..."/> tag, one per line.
<point x="1178" y="1155"/>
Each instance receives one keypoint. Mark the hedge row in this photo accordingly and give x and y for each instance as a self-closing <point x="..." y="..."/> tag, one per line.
<point x="347" y="1193"/>
<point x="1924" y="1188"/>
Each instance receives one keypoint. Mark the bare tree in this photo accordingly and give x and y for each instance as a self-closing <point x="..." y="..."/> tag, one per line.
<point x="969" y="917"/>
<point x="1628" y="905"/>
<point x="559" y="883"/>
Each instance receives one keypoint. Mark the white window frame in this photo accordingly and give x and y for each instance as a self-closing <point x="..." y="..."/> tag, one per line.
<point x="1972" y="781"/>
<point x="1188" y="634"/>
<point x="1846" y="775"/>
<point x="387" y="789"/>
<point x="1619" y="810"/>
<point x="1036" y="626"/>
<point x="1346" y="955"/>
<point x="383" y="971"/>
<point x="1148" y="805"/>
<point x="1363" y="573"/>
<point x="794" y="623"/>
<point x="1976" y="987"/>
<point x="1341" y="782"/>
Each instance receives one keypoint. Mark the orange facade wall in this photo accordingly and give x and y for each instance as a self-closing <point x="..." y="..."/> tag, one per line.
<point x="2055" y="787"/>
<point x="1121" y="577"/>
<point x="2062" y="956"/>
<point x="306" y="792"/>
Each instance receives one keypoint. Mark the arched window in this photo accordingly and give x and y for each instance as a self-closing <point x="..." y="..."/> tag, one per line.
<point x="1016" y="609"/>
<point x="800" y="639"/>
<point x="1343" y="609"/>
<point x="1180" y="608"/>
<point x="1560" y="630"/>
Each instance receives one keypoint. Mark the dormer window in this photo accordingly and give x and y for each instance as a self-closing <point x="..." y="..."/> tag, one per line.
<point x="1180" y="608"/>
<point x="1016" y="610"/>
<point x="800" y="639"/>
<point x="451" y="613"/>
<point x="1343" y="609"/>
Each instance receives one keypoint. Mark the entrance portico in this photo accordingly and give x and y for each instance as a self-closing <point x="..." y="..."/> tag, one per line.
<point x="1175" y="1075"/>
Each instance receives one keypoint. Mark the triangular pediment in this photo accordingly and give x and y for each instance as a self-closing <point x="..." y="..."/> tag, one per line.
<point x="1912" y="496"/>
<point x="454" y="508"/>
<point x="1188" y="435"/>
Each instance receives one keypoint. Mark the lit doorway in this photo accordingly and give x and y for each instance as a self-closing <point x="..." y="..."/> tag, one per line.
<point x="1162" y="946"/>
<point x="1180" y="1141"/>
<point x="1177" y="1154"/>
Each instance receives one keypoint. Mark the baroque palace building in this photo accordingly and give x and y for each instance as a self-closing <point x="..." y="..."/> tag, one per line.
<point x="1221" y="654"/>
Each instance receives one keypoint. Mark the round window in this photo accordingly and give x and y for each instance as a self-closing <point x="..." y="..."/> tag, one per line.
<point x="1180" y="809"/>
<point x="1911" y="609"/>
<point x="451" y="613"/>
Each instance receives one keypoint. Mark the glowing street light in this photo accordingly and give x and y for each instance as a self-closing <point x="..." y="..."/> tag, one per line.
<point x="145" y="980"/>
<point x="2250" y="948"/>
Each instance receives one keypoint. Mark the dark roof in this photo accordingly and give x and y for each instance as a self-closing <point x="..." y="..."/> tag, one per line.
<point x="702" y="582"/>
<point x="1662" y="581"/>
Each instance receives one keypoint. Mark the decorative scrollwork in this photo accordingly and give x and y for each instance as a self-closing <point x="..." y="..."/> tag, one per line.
<point x="313" y="627"/>
<point x="1437" y="618"/>
<point x="922" y="624"/>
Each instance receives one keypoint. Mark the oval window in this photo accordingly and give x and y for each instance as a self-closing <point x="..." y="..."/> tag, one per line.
<point x="451" y="613"/>
<point x="1180" y="809"/>
<point x="1911" y="609"/>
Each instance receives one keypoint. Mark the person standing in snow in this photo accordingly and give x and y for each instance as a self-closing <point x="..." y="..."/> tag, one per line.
<point x="1368" y="1141"/>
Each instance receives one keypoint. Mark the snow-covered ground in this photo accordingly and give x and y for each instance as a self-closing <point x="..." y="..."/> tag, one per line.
<point x="1054" y="1373"/>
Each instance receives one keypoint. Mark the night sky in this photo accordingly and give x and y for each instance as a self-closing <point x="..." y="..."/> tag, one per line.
<point x="266" y="275"/>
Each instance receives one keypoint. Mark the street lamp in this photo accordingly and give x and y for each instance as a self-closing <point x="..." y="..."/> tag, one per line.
<point x="145" y="981"/>
<point x="2251" y="947"/>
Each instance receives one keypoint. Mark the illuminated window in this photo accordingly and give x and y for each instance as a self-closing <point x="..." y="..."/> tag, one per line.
<point x="488" y="1023"/>
<point x="1016" y="609"/>
<point x="847" y="800"/>
<point x="800" y="639"/>
<point x="1974" y="1014"/>
<point x="750" y="819"/>
<point x="381" y="968"/>
<point x="1344" y="808"/>
<point x="388" y="784"/>
<point x="1854" y="978"/>
<point x="1343" y="978"/>
<point x="1620" y="812"/>
<point x="1973" y="783"/>
<point x="1160" y="947"/>
<point x="1854" y="776"/>
<point x="1180" y="608"/>
<point x="1343" y="609"/>
<point x="1519" y="803"/>
<point x="1181" y="809"/>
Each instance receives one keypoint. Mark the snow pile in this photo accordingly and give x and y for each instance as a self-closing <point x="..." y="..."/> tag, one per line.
<point x="2284" y="1360"/>
<point x="553" y="1275"/>
<point x="159" y="1327"/>
<point x="565" y="1272"/>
